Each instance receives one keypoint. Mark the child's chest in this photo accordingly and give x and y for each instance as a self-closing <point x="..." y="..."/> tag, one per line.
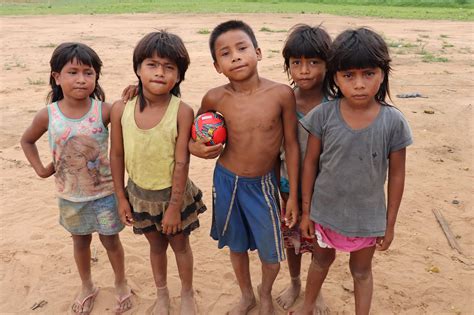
<point x="149" y="117"/>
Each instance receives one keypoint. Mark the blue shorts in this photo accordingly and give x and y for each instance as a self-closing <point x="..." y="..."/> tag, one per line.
<point x="83" y="218"/>
<point x="246" y="214"/>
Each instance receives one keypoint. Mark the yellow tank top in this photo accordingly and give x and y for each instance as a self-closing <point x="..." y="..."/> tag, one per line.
<point x="149" y="154"/>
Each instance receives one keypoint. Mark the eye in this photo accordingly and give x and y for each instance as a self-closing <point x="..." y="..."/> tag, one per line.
<point x="243" y="48"/>
<point x="295" y="62"/>
<point x="72" y="72"/>
<point x="314" y="62"/>
<point x="225" y="53"/>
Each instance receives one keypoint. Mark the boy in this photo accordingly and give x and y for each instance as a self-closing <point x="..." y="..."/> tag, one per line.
<point x="258" y="114"/>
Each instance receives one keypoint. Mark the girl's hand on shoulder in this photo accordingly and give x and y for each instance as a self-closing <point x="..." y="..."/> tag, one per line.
<point x="171" y="223"/>
<point x="384" y="242"/>
<point x="129" y="92"/>
<point x="47" y="171"/>
<point x="200" y="149"/>
<point x="307" y="226"/>
<point x="125" y="212"/>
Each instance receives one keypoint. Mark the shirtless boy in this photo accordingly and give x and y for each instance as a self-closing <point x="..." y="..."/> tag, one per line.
<point x="258" y="114"/>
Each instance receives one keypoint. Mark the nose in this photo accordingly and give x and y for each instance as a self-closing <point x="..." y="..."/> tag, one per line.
<point x="359" y="82"/>
<point x="235" y="57"/>
<point x="160" y="70"/>
<point x="304" y="67"/>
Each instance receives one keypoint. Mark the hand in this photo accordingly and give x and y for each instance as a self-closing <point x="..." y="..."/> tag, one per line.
<point x="307" y="226"/>
<point x="129" y="92"/>
<point x="383" y="243"/>
<point x="47" y="171"/>
<point x="292" y="211"/>
<point x="125" y="212"/>
<point x="200" y="149"/>
<point x="171" y="223"/>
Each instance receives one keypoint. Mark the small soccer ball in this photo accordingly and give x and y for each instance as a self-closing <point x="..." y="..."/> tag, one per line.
<point x="209" y="126"/>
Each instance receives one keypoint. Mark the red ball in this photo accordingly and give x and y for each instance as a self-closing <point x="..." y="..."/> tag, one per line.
<point x="209" y="126"/>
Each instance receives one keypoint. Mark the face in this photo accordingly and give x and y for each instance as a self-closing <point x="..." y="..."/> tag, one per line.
<point x="158" y="75"/>
<point x="236" y="57"/>
<point x="75" y="161"/>
<point x="359" y="86"/>
<point x="76" y="80"/>
<point x="307" y="73"/>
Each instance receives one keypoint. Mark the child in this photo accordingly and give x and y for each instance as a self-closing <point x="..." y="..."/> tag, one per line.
<point x="305" y="54"/>
<point x="258" y="114"/>
<point x="353" y="140"/>
<point x="76" y="121"/>
<point x="150" y="139"/>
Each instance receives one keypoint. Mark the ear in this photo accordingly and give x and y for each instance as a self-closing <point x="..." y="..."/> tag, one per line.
<point x="56" y="76"/>
<point x="217" y="67"/>
<point x="335" y="79"/>
<point x="258" y="51"/>
<point x="138" y="70"/>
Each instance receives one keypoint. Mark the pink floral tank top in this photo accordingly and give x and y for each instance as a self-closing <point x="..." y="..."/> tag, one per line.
<point x="80" y="154"/>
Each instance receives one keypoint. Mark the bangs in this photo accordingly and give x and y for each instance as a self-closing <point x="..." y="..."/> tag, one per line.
<point x="357" y="57"/>
<point x="161" y="45"/>
<point x="303" y="48"/>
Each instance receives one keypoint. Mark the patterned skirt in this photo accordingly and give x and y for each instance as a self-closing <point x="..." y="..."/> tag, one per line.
<point x="149" y="206"/>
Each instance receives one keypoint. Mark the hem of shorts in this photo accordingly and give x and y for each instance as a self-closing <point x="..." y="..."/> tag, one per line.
<point x="348" y="234"/>
<point x="88" y="199"/>
<point x="93" y="231"/>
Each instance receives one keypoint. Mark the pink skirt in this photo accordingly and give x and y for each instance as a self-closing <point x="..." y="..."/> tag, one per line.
<point x="328" y="238"/>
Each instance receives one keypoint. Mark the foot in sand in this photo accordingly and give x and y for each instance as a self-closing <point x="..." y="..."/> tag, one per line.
<point x="162" y="303"/>
<point x="246" y="303"/>
<point x="188" y="303"/>
<point x="124" y="298"/>
<point x="84" y="302"/>
<point x="266" y="303"/>
<point x="289" y="295"/>
<point x="321" y="307"/>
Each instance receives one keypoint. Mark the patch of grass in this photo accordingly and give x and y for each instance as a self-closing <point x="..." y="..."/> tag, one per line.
<point x="36" y="82"/>
<point x="204" y="31"/>
<point x="275" y="51"/>
<point x="400" y="44"/>
<point x="429" y="57"/>
<point x="269" y="30"/>
<point x="443" y="36"/>
<point x="405" y="9"/>
<point x="50" y="45"/>
<point x="424" y="36"/>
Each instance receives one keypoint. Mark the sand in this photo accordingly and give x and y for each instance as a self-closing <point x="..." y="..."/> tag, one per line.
<point x="420" y="274"/>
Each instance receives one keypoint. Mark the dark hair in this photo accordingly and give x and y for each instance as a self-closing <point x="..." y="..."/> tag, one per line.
<point x="229" y="26"/>
<point x="83" y="54"/>
<point x="305" y="41"/>
<point x="165" y="45"/>
<point x="357" y="49"/>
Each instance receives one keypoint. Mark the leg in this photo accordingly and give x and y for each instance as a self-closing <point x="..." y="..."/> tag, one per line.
<point x="289" y="295"/>
<point x="360" y="264"/>
<point x="82" y="256"/>
<point x="115" y="253"/>
<point x="318" y="270"/>
<point x="269" y="274"/>
<point x="240" y="263"/>
<point x="184" y="260"/>
<point x="159" y="263"/>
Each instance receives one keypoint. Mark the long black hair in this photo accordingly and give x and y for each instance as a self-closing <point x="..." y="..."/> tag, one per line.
<point x="82" y="54"/>
<point x="357" y="49"/>
<point x="165" y="45"/>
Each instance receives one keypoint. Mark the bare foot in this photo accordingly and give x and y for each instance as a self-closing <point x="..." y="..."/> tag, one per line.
<point x="162" y="303"/>
<point x="321" y="307"/>
<point x="123" y="295"/>
<point x="288" y="296"/>
<point x="244" y="306"/>
<point x="188" y="304"/>
<point x="85" y="299"/>
<point x="266" y="303"/>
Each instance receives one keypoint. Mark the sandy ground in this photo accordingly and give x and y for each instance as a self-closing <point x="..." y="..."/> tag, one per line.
<point x="420" y="274"/>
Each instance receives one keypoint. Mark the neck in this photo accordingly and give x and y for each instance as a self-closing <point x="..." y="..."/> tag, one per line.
<point x="307" y="99"/>
<point x="359" y="107"/>
<point x="247" y="86"/>
<point x="154" y="100"/>
<point x="75" y="103"/>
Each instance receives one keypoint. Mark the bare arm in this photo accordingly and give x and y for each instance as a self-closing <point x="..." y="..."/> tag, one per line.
<point x="117" y="164"/>
<point x="292" y="153"/>
<point x="172" y="217"/>
<point x="106" y="109"/>
<point x="28" y="143"/>
<point x="198" y="148"/>
<point x="309" y="174"/>
<point x="396" y="184"/>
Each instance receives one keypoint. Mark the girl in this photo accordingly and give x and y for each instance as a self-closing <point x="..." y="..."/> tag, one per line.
<point x="353" y="141"/>
<point x="150" y="139"/>
<point x="305" y="53"/>
<point x="76" y="121"/>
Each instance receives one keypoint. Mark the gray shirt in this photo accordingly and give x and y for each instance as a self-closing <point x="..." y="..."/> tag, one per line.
<point x="348" y="194"/>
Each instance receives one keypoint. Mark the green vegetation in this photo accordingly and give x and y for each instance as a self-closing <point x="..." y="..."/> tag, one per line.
<point x="269" y="30"/>
<point x="36" y="82"/>
<point x="204" y="31"/>
<point x="405" y="9"/>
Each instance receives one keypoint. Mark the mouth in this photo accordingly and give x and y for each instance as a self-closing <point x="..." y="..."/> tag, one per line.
<point x="359" y="96"/>
<point x="238" y="68"/>
<point x="158" y="81"/>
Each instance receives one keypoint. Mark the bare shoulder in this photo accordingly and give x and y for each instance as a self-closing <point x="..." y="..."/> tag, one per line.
<point x="117" y="108"/>
<point x="42" y="118"/>
<point x="185" y="109"/>
<point x="212" y="97"/>
<point x="276" y="87"/>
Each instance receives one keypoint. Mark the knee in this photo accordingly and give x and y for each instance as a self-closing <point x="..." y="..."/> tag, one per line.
<point x="323" y="261"/>
<point x="180" y="247"/>
<point x="361" y="274"/>
<point x="82" y="242"/>
<point x="110" y="242"/>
